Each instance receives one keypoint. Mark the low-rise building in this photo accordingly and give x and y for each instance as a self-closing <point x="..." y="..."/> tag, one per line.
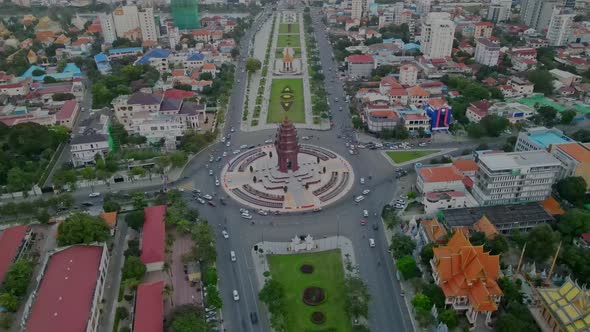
<point x="468" y="277"/>
<point x="442" y="200"/>
<point x="565" y="77"/>
<point x="92" y="139"/>
<point x="477" y="110"/>
<point x="522" y="87"/>
<point x="575" y="158"/>
<point x="70" y="290"/>
<point x="360" y="66"/>
<point x="149" y="307"/>
<point x="67" y="113"/>
<point x="487" y="53"/>
<point x="444" y="178"/>
<point x="13" y="242"/>
<point x="431" y="231"/>
<point x="15" y="89"/>
<point x="513" y="112"/>
<point x="415" y="121"/>
<point x="563" y="308"/>
<point x="540" y="138"/>
<point x="440" y="114"/>
<point x="377" y="120"/>
<point x="153" y="236"/>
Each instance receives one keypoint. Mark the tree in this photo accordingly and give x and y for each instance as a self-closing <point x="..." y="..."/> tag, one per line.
<point x="357" y="297"/>
<point x="407" y="267"/>
<point x="82" y="228"/>
<point x="567" y="117"/>
<point x="543" y="81"/>
<point x="49" y="80"/>
<point x="547" y="114"/>
<point x="572" y="189"/>
<point x="494" y="124"/>
<point x="135" y="219"/>
<point x="43" y="216"/>
<point x="402" y="245"/>
<point x="178" y="159"/>
<point x="9" y="301"/>
<point x="253" y="64"/>
<point x="213" y="298"/>
<point x="421" y="302"/>
<point x="139" y="200"/>
<point x="122" y="312"/>
<point x="426" y="254"/>
<point x="449" y="318"/>
<point x="582" y="135"/>
<point x="133" y="268"/>
<point x="476" y="130"/>
<point x="188" y="321"/>
<point x="211" y="276"/>
<point x="111" y="206"/>
<point x="435" y="294"/>
<point x="541" y="243"/>
<point x="574" y="223"/>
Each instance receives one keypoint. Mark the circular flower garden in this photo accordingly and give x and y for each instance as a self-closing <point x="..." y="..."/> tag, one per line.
<point x="314" y="296"/>
<point x="306" y="268"/>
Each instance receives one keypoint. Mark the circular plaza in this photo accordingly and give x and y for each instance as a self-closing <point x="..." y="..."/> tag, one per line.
<point x="287" y="176"/>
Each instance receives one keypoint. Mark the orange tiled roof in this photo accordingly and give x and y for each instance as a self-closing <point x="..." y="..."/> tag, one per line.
<point x="208" y="66"/>
<point x="465" y="270"/>
<point x="576" y="150"/>
<point x="440" y="174"/>
<point x="437" y="103"/>
<point x="465" y="165"/>
<point x="110" y="218"/>
<point x="434" y="230"/>
<point x="484" y="225"/>
<point x="552" y="206"/>
<point x="418" y="91"/>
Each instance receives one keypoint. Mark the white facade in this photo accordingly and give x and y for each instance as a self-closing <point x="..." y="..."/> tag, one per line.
<point x="126" y="20"/>
<point x="408" y="75"/>
<point x="423" y="7"/>
<point x="515" y="177"/>
<point x="386" y="18"/>
<point x="107" y="25"/>
<point x="147" y="23"/>
<point x="437" y="35"/>
<point x="499" y="10"/>
<point x="537" y="13"/>
<point x="357" y="9"/>
<point x="560" y="27"/>
<point x="84" y="152"/>
<point x="486" y="52"/>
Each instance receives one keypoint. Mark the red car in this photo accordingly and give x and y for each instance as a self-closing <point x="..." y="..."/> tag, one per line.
<point x="363" y="222"/>
<point x="211" y="203"/>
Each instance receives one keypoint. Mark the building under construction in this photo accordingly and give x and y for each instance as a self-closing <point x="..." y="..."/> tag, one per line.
<point x="185" y="14"/>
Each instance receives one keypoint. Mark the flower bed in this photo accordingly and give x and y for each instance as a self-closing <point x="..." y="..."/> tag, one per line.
<point x="314" y="296"/>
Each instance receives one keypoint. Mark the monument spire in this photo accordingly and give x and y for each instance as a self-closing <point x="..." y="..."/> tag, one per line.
<point x="287" y="146"/>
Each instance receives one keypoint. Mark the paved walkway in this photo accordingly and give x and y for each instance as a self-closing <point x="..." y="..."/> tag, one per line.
<point x="410" y="162"/>
<point x="282" y="248"/>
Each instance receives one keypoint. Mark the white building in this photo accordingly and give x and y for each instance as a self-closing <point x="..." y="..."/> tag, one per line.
<point x="423" y="6"/>
<point x="357" y="9"/>
<point x="147" y="24"/>
<point x="127" y="22"/>
<point x="515" y="177"/>
<point x="560" y="27"/>
<point x="386" y="18"/>
<point x="108" y="28"/>
<point x="487" y="52"/>
<point x="499" y="10"/>
<point x="540" y="138"/>
<point x="437" y="35"/>
<point x="514" y="112"/>
<point x="537" y="13"/>
<point x="408" y="75"/>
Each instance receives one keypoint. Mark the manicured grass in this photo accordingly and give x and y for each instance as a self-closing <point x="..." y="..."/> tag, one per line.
<point x="296" y="53"/>
<point x="403" y="156"/>
<point x="288" y="40"/>
<point x="328" y="274"/>
<point x="284" y="28"/>
<point x="297" y="112"/>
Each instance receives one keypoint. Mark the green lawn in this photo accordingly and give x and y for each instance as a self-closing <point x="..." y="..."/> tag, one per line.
<point x="275" y="112"/>
<point x="403" y="156"/>
<point x="284" y="28"/>
<point x="328" y="274"/>
<point x="296" y="51"/>
<point x="288" y="40"/>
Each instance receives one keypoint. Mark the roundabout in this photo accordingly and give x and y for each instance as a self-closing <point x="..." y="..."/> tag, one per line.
<point x="287" y="176"/>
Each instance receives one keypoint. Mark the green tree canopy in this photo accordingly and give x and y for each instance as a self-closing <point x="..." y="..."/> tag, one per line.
<point x="357" y="297"/>
<point x="541" y="243"/>
<point x="402" y="245"/>
<point x="567" y="117"/>
<point x="543" y="81"/>
<point x="449" y="318"/>
<point x="253" y="64"/>
<point x="133" y="268"/>
<point x="188" y="321"/>
<point x="421" y="302"/>
<point x="574" y="223"/>
<point x="407" y="267"/>
<point x="135" y="219"/>
<point x="82" y="228"/>
<point x="573" y="189"/>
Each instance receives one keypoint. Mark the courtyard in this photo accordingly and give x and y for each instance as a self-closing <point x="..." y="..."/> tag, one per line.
<point x="286" y="103"/>
<point x="284" y="28"/>
<point x="288" y="40"/>
<point x="399" y="157"/>
<point x="328" y="274"/>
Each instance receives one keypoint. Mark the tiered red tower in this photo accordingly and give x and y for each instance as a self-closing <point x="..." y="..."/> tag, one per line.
<point x="287" y="146"/>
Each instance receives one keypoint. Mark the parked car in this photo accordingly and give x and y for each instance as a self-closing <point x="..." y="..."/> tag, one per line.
<point x="363" y="222"/>
<point x="93" y="194"/>
<point x="211" y="203"/>
<point x="359" y="198"/>
<point x="200" y="200"/>
<point x="366" y="191"/>
<point x="263" y="212"/>
<point x="210" y="172"/>
<point x="208" y="197"/>
<point x="247" y="216"/>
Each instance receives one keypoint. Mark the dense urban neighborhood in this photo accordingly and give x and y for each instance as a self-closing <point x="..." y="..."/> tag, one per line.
<point x="294" y="165"/>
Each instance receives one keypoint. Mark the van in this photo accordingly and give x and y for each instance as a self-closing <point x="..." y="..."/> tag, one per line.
<point x="359" y="198"/>
<point x="232" y="254"/>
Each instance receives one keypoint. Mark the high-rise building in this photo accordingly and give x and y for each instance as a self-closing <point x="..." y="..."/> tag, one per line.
<point x="537" y="13"/>
<point x="515" y="177"/>
<point x="357" y="9"/>
<point x="185" y="14"/>
<point x="423" y="7"/>
<point x="108" y="28"/>
<point x="127" y="22"/>
<point x="147" y="24"/>
<point x="499" y="10"/>
<point x="487" y="52"/>
<point x="437" y="35"/>
<point x="560" y="27"/>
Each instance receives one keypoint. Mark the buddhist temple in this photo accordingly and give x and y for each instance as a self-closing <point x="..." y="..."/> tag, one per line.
<point x="287" y="61"/>
<point x="566" y="308"/>
<point x="287" y="147"/>
<point x="467" y="276"/>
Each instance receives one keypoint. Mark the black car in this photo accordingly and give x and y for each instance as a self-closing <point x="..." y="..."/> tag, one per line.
<point x="253" y="318"/>
<point x="87" y="204"/>
<point x="375" y="226"/>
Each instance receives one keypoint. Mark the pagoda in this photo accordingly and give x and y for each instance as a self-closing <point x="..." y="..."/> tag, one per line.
<point x="287" y="61"/>
<point x="287" y="146"/>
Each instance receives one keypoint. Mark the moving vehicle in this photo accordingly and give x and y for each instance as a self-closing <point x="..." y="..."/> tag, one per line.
<point x="200" y="200"/>
<point x="243" y="146"/>
<point x="93" y="194"/>
<point x="246" y="216"/>
<point x="217" y="182"/>
<point x="359" y="198"/>
<point x="225" y="234"/>
<point x="365" y="213"/>
<point x="263" y="212"/>
<point x="253" y="318"/>
<point x="236" y="295"/>
<point x="363" y="222"/>
<point x="87" y="204"/>
<point x="268" y="141"/>
<point x="208" y="197"/>
<point x="210" y="172"/>
<point x="211" y="203"/>
<point x="372" y="243"/>
<point x="236" y="151"/>
<point x="228" y="144"/>
<point x="362" y="180"/>
<point x="232" y="254"/>
<point x="366" y="191"/>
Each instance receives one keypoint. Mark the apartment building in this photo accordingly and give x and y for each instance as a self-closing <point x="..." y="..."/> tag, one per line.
<point x="408" y="75"/>
<point x="560" y="27"/>
<point x="107" y="25"/>
<point x="360" y="66"/>
<point x="540" y="138"/>
<point x="486" y="52"/>
<point x="147" y="25"/>
<point x="437" y="35"/>
<point x="575" y="158"/>
<point x="357" y="9"/>
<point x="537" y="13"/>
<point x="127" y="22"/>
<point x="499" y="10"/>
<point x="515" y="177"/>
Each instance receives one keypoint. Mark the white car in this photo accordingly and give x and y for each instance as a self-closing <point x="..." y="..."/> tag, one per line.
<point x="228" y="144"/>
<point x="217" y="182"/>
<point x="236" y="151"/>
<point x="362" y="180"/>
<point x="246" y="216"/>
<point x="365" y="213"/>
<point x="232" y="129"/>
<point x="243" y="146"/>
<point x="232" y="255"/>
<point x="236" y="295"/>
<point x="422" y="144"/>
<point x="268" y="141"/>
<point x="208" y="197"/>
<point x="223" y="139"/>
<point x="210" y="172"/>
<point x="359" y="198"/>
<point x="93" y="194"/>
<point x="366" y="191"/>
<point x="263" y="213"/>
<point x="372" y="243"/>
<point x="403" y="196"/>
<point x="200" y="200"/>
<point x="225" y="234"/>
<point x="399" y="206"/>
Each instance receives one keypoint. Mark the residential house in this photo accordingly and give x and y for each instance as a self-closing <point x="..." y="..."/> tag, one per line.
<point x="565" y="77"/>
<point x="477" y="110"/>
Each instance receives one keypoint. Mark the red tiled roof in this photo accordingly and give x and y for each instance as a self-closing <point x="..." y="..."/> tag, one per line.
<point x="440" y="174"/>
<point x="176" y="94"/>
<point x="10" y="242"/>
<point x="152" y="235"/>
<point x="465" y="165"/>
<point x="64" y="298"/>
<point x="11" y="86"/>
<point x="149" y="308"/>
<point x="67" y="109"/>
<point x="358" y="58"/>
<point x="397" y="92"/>
<point x="431" y="84"/>
<point x="384" y="114"/>
<point x="437" y="103"/>
<point x="586" y="237"/>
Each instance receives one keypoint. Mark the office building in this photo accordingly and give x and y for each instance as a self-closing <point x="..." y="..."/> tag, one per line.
<point x="499" y="10"/>
<point x="127" y="22"/>
<point x="185" y="14"/>
<point x="537" y="13"/>
<point x="540" y="138"/>
<point x="356" y="11"/>
<point x="437" y="35"/>
<point x="147" y="24"/>
<point x="487" y="52"/>
<point x="560" y="27"/>
<point x="108" y="28"/>
<point x="515" y="177"/>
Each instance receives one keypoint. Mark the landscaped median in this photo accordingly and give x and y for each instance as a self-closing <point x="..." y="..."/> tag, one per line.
<point x="286" y="99"/>
<point x="399" y="157"/>
<point x="284" y="28"/>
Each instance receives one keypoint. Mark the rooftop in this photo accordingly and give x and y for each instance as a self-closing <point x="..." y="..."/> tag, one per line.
<point x="497" y="215"/>
<point x="64" y="297"/>
<point x="149" y="308"/>
<point x="358" y="58"/>
<point x="156" y="53"/>
<point x="517" y="160"/>
<point x="577" y="151"/>
<point x="10" y="242"/>
<point x="439" y="174"/>
<point x="153" y="234"/>
<point x="568" y="305"/>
